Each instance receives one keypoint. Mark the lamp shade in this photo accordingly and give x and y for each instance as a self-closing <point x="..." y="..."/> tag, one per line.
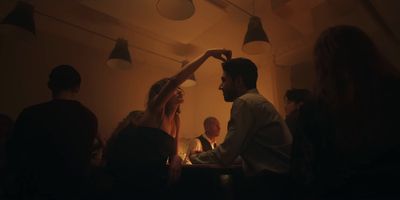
<point x="120" y="57"/>
<point x="255" y="40"/>
<point x="191" y="81"/>
<point x="175" y="9"/>
<point x="21" y="16"/>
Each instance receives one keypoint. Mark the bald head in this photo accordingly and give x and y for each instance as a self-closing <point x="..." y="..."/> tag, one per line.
<point x="211" y="127"/>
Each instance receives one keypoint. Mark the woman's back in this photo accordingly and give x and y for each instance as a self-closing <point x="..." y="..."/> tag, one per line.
<point x="138" y="160"/>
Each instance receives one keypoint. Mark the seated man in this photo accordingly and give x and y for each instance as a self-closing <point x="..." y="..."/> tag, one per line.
<point x="207" y="140"/>
<point x="256" y="133"/>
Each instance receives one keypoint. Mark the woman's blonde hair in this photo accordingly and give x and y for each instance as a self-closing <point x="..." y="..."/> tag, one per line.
<point x="133" y="118"/>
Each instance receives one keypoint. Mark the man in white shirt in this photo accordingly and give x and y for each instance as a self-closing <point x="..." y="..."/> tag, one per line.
<point x="207" y="140"/>
<point x="256" y="132"/>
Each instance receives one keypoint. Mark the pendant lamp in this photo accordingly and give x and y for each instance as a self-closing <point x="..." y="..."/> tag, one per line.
<point x="256" y="40"/>
<point x="21" y="16"/>
<point x="120" y="57"/>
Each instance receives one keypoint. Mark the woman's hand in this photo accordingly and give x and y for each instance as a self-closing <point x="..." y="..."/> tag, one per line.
<point x="219" y="53"/>
<point x="175" y="167"/>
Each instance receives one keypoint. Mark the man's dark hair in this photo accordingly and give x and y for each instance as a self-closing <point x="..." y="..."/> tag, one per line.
<point x="63" y="77"/>
<point x="297" y="95"/>
<point x="242" y="67"/>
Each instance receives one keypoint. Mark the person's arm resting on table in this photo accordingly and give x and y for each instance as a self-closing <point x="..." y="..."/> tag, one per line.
<point x="238" y="128"/>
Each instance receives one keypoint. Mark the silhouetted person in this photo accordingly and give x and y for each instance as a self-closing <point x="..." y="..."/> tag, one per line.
<point x="138" y="159"/>
<point x="353" y="126"/>
<point x="6" y="126"/>
<point x="294" y="99"/>
<point x="256" y="133"/>
<point x="50" y="148"/>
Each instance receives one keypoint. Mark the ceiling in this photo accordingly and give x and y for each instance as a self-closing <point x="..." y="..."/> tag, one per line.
<point x="291" y="25"/>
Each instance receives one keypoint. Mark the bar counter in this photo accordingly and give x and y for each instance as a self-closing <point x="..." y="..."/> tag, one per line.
<point x="209" y="181"/>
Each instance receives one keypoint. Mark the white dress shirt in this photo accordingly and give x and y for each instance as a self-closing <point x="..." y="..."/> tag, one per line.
<point x="195" y="146"/>
<point x="256" y="133"/>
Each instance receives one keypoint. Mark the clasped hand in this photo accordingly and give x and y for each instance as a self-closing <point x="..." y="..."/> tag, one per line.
<point x="219" y="54"/>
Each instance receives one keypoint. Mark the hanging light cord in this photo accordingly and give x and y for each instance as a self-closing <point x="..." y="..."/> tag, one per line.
<point x="105" y="36"/>
<point x="238" y="7"/>
<point x="254" y="7"/>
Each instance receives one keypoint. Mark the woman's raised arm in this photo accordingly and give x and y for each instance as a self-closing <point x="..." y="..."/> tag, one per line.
<point x="168" y="90"/>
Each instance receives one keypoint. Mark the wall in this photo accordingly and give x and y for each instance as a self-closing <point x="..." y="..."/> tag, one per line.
<point x="109" y="93"/>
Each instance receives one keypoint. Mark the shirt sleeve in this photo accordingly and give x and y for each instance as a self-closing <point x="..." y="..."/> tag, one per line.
<point x="239" y="127"/>
<point x="194" y="147"/>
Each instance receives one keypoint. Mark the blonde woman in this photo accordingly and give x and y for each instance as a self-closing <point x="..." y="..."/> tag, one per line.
<point x="140" y="155"/>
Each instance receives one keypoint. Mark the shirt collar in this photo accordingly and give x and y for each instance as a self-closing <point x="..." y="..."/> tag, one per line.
<point x="208" y="139"/>
<point x="254" y="90"/>
<point x="251" y="91"/>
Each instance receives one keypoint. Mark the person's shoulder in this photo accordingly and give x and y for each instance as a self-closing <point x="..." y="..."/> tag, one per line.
<point x="127" y="130"/>
<point x="198" y="137"/>
<point x="36" y="107"/>
<point x="244" y="101"/>
<point x="89" y="112"/>
<point x="195" y="141"/>
<point x="33" y="112"/>
<point x="252" y="96"/>
<point x="39" y="105"/>
<point x="85" y="109"/>
<point x="255" y="100"/>
<point x="250" y="93"/>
